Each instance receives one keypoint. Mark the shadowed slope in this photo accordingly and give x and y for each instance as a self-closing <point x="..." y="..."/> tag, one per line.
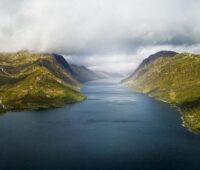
<point x="35" y="81"/>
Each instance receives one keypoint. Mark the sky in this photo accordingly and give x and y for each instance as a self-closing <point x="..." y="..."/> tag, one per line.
<point x="110" y="35"/>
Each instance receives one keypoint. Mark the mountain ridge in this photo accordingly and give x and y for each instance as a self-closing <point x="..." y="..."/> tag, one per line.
<point x="173" y="79"/>
<point x="31" y="81"/>
<point x="152" y="57"/>
<point x="83" y="74"/>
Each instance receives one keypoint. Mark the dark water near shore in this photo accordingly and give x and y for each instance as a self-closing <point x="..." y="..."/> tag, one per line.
<point x="114" y="129"/>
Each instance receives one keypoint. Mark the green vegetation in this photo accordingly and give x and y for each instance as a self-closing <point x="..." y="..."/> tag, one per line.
<point x="35" y="81"/>
<point x="174" y="79"/>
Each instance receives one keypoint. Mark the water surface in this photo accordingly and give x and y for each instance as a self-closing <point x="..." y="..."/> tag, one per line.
<point x="114" y="129"/>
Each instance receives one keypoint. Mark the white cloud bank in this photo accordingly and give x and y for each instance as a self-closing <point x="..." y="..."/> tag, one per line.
<point x="102" y="34"/>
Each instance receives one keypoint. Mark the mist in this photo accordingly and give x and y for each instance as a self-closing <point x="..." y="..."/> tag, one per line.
<point x="103" y="34"/>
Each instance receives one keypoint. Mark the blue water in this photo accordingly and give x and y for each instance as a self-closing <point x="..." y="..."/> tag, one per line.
<point x="114" y="129"/>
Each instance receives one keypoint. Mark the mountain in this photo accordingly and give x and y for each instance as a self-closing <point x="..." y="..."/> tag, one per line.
<point x="173" y="78"/>
<point x="36" y="81"/>
<point x="84" y="74"/>
<point x="113" y="74"/>
<point x="109" y="74"/>
<point x="150" y="59"/>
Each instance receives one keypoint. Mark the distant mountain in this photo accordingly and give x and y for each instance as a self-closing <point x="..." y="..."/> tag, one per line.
<point x="174" y="78"/>
<point x="113" y="74"/>
<point x="84" y="74"/>
<point x="36" y="81"/>
<point x="103" y="74"/>
<point x="109" y="74"/>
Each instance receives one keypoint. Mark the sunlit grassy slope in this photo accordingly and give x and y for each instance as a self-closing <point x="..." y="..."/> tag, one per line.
<point x="35" y="81"/>
<point x="174" y="78"/>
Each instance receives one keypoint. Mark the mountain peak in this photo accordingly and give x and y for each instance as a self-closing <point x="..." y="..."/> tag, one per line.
<point x="174" y="80"/>
<point x="151" y="58"/>
<point x="157" y="55"/>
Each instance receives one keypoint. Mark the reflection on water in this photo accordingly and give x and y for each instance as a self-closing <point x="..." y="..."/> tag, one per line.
<point x="111" y="121"/>
<point x="114" y="129"/>
<point x="111" y="92"/>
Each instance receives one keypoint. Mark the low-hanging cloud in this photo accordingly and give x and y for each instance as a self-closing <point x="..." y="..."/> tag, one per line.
<point x="91" y="31"/>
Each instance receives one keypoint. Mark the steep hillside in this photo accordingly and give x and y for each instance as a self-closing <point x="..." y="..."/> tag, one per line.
<point x="35" y="81"/>
<point x="84" y="74"/>
<point x="174" y="78"/>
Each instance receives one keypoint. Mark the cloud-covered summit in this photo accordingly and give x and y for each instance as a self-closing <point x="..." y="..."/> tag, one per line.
<point x="89" y="31"/>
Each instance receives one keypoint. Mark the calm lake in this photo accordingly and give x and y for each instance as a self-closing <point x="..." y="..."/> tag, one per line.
<point x="114" y="129"/>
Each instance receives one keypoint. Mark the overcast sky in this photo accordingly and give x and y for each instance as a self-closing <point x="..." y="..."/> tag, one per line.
<point x="101" y="34"/>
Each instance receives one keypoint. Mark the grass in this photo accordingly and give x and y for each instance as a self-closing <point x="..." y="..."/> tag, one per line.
<point x="35" y="81"/>
<point x="175" y="80"/>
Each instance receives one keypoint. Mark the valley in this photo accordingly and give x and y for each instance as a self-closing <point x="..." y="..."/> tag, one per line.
<point x="32" y="81"/>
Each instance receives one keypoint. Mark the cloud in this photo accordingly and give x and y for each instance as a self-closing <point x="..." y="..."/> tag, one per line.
<point x="112" y="31"/>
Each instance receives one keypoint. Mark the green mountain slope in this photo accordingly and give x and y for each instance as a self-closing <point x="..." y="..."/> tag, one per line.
<point x="35" y="81"/>
<point x="174" y="78"/>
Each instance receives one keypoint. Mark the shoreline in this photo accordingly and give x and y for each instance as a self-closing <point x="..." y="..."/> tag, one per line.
<point x="178" y="108"/>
